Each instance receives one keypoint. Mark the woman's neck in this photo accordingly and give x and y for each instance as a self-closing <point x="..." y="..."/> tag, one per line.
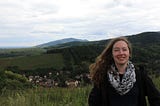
<point x="121" y="68"/>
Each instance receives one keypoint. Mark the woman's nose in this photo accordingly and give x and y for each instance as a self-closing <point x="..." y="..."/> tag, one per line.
<point x="121" y="51"/>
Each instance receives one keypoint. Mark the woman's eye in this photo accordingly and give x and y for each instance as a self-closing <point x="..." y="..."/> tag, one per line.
<point x="116" y="50"/>
<point x="125" y="49"/>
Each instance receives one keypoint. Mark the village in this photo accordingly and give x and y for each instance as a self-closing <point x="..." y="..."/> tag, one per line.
<point x="48" y="82"/>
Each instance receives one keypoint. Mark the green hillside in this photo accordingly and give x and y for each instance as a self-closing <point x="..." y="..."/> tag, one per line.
<point x="33" y="62"/>
<point x="146" y="50"/>
<point x="76" y="57"/>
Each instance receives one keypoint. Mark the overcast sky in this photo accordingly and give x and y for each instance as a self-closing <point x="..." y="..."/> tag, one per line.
<point x="33" y="22"/>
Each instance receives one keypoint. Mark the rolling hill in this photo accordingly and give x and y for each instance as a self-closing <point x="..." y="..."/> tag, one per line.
<point x="76" y="56"/>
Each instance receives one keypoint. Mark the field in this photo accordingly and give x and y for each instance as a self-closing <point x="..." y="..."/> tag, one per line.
<point x="46" y="97"/>
<point x="33" y="62"/>
<point x="50" y="96"/>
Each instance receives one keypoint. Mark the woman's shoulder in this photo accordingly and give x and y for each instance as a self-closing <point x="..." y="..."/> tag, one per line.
<point x="141" y="73"/>
<point x="140" y="69"/>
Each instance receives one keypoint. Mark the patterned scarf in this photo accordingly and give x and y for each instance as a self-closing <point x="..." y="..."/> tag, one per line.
<point x="128" y="79"/>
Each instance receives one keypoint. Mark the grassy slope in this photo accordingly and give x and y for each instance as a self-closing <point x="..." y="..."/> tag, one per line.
<point x="50" y="97"/>
<point x="33" y="62"/>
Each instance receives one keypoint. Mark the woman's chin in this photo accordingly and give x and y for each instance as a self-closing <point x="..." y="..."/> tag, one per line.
<point x="122" y="62"/>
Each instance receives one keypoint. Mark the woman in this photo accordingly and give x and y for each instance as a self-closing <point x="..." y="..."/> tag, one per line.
<point x="116" y="80"/>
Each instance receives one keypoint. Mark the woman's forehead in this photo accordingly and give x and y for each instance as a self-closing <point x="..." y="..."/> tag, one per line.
<point x="120" y="44"/>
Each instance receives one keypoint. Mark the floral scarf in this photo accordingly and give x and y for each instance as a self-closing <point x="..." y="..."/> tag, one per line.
<point x="128" y="79"/>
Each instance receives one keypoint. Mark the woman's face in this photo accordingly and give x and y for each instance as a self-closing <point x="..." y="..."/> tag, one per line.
<point x="120" y="53"/>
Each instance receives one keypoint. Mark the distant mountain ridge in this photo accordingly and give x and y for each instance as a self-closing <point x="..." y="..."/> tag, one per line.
<point x="61" y="41"/>
<point x="144" y="38"/>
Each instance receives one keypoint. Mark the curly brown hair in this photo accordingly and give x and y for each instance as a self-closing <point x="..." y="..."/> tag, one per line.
<point x="99" y="68"/>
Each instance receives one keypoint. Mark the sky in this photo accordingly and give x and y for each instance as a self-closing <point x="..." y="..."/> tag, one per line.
<point x="33" y="22"/>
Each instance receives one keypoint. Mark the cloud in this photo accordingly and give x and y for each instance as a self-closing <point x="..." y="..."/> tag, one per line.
<point x="33" y="22"/>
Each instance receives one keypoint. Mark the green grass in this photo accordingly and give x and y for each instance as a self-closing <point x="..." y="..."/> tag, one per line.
<point x="156" y="81"/>
<point x="46" y="97"/>
<point x="33" y="62"/>
<point x="50" y="96"/>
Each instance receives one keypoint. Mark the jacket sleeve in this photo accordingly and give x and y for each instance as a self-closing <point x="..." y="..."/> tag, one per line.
<point x="95" y="97"/>
<point x="151" y="91"/>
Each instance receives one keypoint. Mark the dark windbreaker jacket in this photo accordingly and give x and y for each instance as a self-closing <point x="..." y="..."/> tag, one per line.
<point x="98" y="95"/>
